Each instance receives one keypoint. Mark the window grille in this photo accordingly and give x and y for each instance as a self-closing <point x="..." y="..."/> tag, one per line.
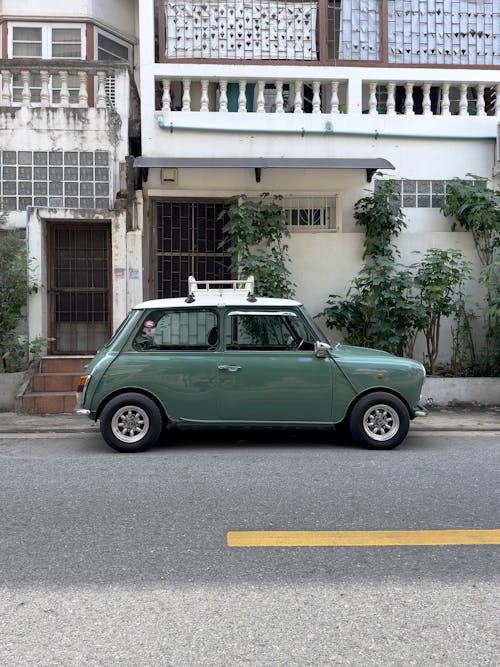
<point x="311" y="213"/>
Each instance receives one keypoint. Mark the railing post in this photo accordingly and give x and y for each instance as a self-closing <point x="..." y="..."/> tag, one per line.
<point x="497" y="101"/>
<point x="242" y="97"/>
<point x="204" y="95"/>
<point x="64" y="93"/>
<point x="297" y="102"/>
<point x="426" y="101"/>
<point x="372" y="100"/>
<point x="223" y="96"/>
<point x="463" y="105"/>
<point x="44" y="89"/>
<point x="316" y="100"/>
<point x="278" y="100"/>
<point x="26" y="92"/>
<point x="166" y="99"/>
<point x="6" y="94"/>
<point x="445" y="99"/>
<point x="83" y="97"/>
<point x="409" y="99"/>
<point x="186" y="94"/>
<point x="101" y="90"/>
<point x="334" y="98"/>
<point x="480" y="104"/>
<point x="261" y="102"/>
<point x="391" y="98"/>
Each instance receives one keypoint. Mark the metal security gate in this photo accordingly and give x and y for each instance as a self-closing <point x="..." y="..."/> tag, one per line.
<point x="79" y="287"/>
<point x="190" y="241"/>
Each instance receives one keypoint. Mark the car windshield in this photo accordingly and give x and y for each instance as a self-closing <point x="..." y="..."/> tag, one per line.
<point x="109" y="342"/>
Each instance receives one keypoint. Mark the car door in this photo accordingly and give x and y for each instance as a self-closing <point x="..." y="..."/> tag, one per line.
<point x="174" y="355"/>
<point x="268" y="372"/>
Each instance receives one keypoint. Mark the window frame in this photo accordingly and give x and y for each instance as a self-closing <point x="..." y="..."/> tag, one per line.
<point x="284" y="316"/>
<point x="99" y="31"/>
<point x="46" y="28"/>
<point x="174" y="349"/>
<point x="328" y="202"/>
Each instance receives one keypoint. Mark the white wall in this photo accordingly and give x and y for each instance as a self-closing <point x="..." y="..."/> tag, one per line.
<point x="118" y="15"/>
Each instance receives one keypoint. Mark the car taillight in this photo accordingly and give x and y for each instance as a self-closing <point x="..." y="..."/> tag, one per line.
<point x="82" y="383"/>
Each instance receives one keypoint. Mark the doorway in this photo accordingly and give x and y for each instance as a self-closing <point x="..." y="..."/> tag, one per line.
<point x="78" y="283"/>
<point x="190" y="241"/>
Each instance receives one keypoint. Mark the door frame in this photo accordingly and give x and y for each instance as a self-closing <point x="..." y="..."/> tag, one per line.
<point x="51" y="227"/>
<point x="153" y="240"/>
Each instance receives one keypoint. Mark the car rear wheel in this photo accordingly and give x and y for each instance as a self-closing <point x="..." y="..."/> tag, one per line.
<point x="131" y="423"/>
<point x="379" y="421"/>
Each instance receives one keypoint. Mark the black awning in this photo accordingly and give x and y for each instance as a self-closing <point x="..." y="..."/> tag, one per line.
<point x="370" y="164"/>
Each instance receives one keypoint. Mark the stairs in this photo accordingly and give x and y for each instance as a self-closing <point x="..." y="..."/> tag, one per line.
<point x="53" y="389"/>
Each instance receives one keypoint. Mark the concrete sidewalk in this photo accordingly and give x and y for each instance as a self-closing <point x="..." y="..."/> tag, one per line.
<point x="439" y="419"/>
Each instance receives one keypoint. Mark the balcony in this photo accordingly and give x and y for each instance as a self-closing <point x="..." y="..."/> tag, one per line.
<point x="324" y="93"/>
<point x="29" y="84"/>
<point x="201" y="109"/>
<point x="335" y="32"/>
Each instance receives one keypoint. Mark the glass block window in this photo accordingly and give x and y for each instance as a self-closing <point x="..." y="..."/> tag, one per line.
<point x="311" y="213"/>
<point x="421" y="193"/>
<point x="59" y="179"/>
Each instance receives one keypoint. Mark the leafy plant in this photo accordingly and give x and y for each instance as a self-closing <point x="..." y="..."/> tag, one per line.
<point x="476" y="209"/>
<point x="256" y="230"/>
<point x="439" y="279"/>
<point x="379" y="309"/>
<point x="15" y="285"/>
<point x="381" y="215"/>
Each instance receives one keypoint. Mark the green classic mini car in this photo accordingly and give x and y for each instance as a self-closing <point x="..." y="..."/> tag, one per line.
<point x="225" y="357"/>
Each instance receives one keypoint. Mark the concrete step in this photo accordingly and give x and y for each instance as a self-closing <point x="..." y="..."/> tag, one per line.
<point x="45" y="382"/>
<point x="72" y="364"/>
<point x="53" y="390"/>
<point x="49" y="403"/>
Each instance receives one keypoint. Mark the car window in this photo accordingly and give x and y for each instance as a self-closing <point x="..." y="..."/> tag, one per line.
<point x="266" y="331"/>
<point x="193" y="329"/>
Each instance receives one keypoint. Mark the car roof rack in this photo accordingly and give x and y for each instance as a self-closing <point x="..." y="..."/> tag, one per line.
<point x="243" y="286"/>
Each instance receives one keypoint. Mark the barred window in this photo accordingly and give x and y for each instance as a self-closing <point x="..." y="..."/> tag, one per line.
<point x="311" y="213"/>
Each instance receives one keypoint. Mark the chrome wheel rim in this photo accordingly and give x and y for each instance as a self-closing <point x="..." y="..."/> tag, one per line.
<point x="381" y="422"/>
<point x="130" y="424"/>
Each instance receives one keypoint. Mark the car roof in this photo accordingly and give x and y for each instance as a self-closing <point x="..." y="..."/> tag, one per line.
<point x="219" y="301"/>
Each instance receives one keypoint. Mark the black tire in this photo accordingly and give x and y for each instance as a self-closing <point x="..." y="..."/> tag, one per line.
<point x="131" y="423"/>
<point x="379" y="421"/>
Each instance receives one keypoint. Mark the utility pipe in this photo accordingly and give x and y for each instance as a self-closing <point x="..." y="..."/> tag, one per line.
<point x="327" y="131"/>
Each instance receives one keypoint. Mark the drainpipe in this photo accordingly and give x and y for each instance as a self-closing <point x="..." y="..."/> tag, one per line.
<point x="327" y="131"/>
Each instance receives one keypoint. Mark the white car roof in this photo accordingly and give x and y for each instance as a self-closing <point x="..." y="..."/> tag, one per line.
<point x="218" y="300"/>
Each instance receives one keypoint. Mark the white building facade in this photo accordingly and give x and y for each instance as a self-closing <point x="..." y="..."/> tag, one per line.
<point x="314" y="101"/>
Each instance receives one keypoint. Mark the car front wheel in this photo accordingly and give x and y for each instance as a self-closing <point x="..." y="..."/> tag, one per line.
<point x="379" y="421"/>
<point x="131" y="423"/>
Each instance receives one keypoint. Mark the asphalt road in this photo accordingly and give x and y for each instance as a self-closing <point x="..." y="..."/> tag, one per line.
<point x="122" y="559"/>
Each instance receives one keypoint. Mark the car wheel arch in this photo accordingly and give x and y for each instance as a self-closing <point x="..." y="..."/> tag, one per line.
<point x="134" y="390"/>
<point x="374" y="390"/>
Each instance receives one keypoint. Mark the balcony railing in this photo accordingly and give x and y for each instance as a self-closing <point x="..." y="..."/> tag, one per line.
<point x="327" y="96"/>
<point x="51" y="83"/>
<point x="454" y="33"/>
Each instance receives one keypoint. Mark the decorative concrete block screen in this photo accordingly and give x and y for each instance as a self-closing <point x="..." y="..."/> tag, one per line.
<point x="55" y="179"/>
<point x="252" y="30"/>
<point x="443" y="32"/>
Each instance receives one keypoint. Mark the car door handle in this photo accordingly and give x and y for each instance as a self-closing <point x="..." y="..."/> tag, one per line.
<point x="231" y="369"/>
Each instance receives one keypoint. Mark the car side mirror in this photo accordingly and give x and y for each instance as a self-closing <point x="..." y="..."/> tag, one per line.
<point x="321" y="349"/>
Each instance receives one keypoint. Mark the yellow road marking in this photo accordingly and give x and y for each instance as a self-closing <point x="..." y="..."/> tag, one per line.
<point x="360" y="538"/>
